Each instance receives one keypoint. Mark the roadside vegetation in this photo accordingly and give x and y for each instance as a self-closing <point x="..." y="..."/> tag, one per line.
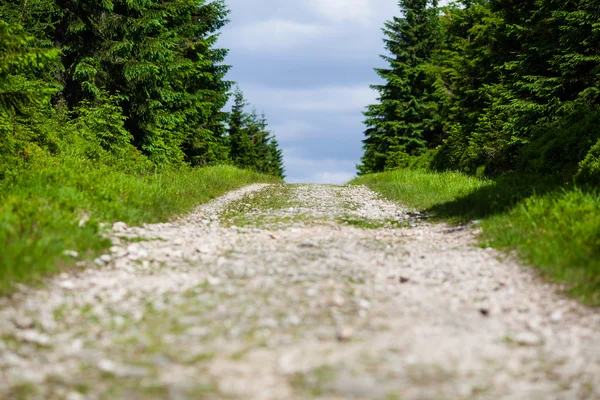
<point x="68" y="207"/>
<point x="553" y="227"/>
<point x="114" y="111"/>
<point x="506" y="95"/>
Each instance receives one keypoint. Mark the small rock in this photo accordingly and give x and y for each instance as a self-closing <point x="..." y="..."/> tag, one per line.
<point x="269" y="323"/>
<point x="84" y="220"/>
<point x="24" y="323"/>
<point x="527" y="339"/>
<point x="556" y="316"/>
<point x="345" y="334"/>
<point x="404" y="279"/>
<point x="106" y="258"/>
<point x="294" y="320"/>
<point x="71" y="253"/>
<point x="213" y="281"/>
<point x="67" y="284"/>
<point x="199" y="331"/>
<point x="74" y="396"/>
<point x="160" y="360"/>
<point x="119" y="227"/>
<point x="364" y="304"/>
<point x="337" y="301"/>
<point x="107" y="366"/>
<point x="31" y="336"/>
<point x="136" y="253"/>
<point x="10" y="359"/>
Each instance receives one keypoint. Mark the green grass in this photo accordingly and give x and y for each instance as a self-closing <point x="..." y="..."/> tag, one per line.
<point x="372" y="223"/>
<point x="40" y="212"/>
<point x="552" y="226"/>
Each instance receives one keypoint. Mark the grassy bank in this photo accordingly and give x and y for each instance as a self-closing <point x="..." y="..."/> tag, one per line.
<point x="554" y="227"/>
<point x="42" y="213"/>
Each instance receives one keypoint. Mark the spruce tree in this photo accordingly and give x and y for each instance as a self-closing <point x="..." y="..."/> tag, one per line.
<point x="160" y="56"/>
<point x="276" y="166"/>
<point x="252" y="145"/>
<point x="24" y="97"/>
<point x="241" y="146"/>
<point x="397" y="125"/>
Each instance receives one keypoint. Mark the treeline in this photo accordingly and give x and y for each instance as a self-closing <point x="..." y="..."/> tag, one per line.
<point x="137" y="85"/>
<point x="489" y="87"/>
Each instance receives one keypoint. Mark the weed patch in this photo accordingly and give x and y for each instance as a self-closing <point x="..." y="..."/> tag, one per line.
<point x="45" y="212"/>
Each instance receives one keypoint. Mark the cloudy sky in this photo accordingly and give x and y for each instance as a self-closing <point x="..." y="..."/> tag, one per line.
<point x="308" y="65"/>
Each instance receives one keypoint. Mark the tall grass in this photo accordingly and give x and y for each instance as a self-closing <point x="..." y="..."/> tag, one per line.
<point x="42" y="212"/>
<point x="553" y="227"/>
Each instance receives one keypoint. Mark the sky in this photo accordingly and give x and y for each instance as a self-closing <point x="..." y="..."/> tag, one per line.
<point x="308" y="64"/>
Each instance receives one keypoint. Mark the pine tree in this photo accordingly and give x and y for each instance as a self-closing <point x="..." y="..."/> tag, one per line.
<point x="397" y="125"/>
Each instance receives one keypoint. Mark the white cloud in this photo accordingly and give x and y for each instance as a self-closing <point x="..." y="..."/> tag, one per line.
<point x="274" y="35"/>
<point x="346" y="99"/>
<point x="291" y="130"/>
<point x="332" y="171"/>
<point x="343" y="10"/>
<point x="316" y="29"/>
<point x="330" y="46"/>
<point x="336" y="178"/>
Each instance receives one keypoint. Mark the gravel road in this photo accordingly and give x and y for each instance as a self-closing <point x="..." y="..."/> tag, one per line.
<point x="298" y="292"/>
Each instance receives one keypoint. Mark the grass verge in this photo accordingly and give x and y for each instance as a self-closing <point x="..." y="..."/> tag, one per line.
<point x="45" y="212"/>
<point x="552" y="226"/>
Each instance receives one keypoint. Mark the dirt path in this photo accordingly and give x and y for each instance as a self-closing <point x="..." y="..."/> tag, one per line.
<point x="298" y="292"/>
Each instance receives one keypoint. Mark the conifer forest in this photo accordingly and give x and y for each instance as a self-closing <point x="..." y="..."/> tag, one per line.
<point x="438" y="236"/>
<point x="488" y="87"/>
<point x="138" y="85"/>
<point x="115" y="110"/>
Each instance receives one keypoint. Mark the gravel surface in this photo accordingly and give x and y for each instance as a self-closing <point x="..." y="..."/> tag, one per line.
<point x="298" y="292"/>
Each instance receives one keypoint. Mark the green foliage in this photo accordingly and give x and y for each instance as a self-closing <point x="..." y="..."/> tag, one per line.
<point x="158" y="57"/>
<point x="96" y="132"/>
<point x="252" y="145"/>
<point x="558" y="233"/>
<point x="104" y="108"/>
<point x="24" y="98"/>
<point x="551" y="226"/>
<point x="589" y="168"/>
<point x="504" y="87"/>
<point x="161" y="56"/>
<point x="561" y="146"/>
<point x="401" y="122"/>
<point x="422" y="190"/>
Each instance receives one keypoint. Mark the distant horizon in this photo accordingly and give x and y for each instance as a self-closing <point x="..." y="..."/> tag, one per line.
<point x="308" y="66"/>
